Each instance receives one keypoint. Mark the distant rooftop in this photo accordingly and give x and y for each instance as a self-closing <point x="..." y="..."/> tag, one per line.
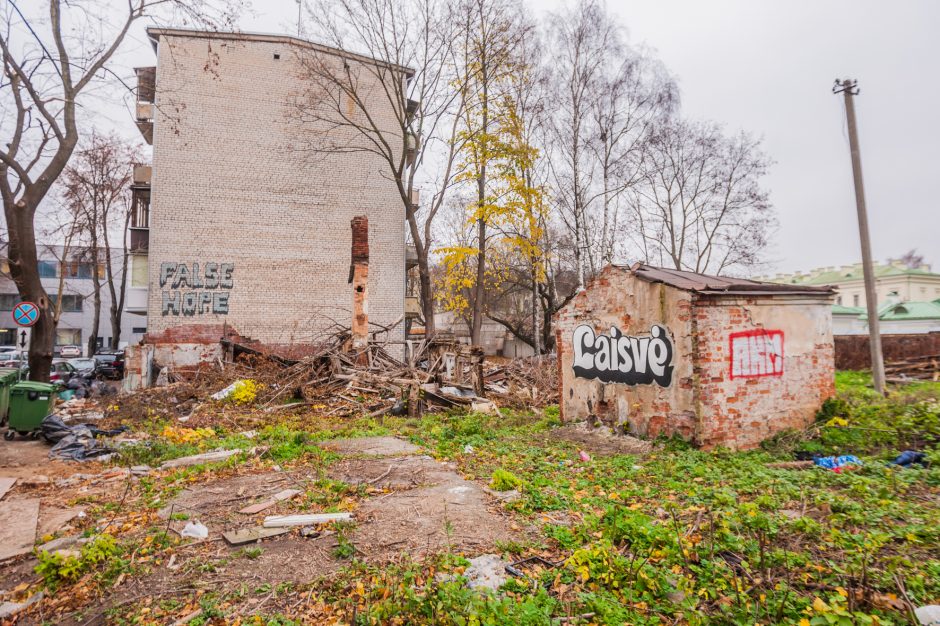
<point x="907" y="311"/>
<point x="847" y="273"/>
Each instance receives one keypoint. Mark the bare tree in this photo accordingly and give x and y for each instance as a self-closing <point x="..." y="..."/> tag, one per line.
<point x="608" y="98"/>
<point x="398" y="102"/>
<point x="96" y="192"/>
<point x="700" y="206"/>
<point x="48" y="63"/>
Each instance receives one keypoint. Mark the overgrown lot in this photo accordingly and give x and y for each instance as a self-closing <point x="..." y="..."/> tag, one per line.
<point x="674" y="536"/>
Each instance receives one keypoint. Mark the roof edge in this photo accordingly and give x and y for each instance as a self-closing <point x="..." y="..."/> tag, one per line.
<point x="155" y="32"/>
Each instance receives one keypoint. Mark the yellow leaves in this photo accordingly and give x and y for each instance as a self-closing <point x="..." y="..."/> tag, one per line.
<point x="819" y="605"/>
<point x="804" y="622"/>
<point x="181" y="435"/>
<point x="842" y="592"/>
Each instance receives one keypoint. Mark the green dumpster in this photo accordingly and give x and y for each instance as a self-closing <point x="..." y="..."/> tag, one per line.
<point x="7" y="381"/>
<point x="30" y="403"/>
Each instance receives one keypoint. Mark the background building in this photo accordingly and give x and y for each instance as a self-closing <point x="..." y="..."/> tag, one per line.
<point x="240" y="230"/>
<point x="908" y="297"/>
<point x="74" y="277"/>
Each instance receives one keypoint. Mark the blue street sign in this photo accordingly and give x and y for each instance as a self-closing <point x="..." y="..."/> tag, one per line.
<point x="25" y="314"/>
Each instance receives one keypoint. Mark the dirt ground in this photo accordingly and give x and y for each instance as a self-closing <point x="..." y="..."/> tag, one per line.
<point x="413" y="506"/>
<point x="601" y="440"/>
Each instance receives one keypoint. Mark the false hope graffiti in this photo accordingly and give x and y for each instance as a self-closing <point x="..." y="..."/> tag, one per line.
<point x="618" y="358"/>
<point x="756" y="353"/>
<point x="177" y="278"/>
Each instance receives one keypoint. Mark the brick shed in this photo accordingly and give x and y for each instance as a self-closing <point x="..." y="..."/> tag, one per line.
<point x="715" y="360"/>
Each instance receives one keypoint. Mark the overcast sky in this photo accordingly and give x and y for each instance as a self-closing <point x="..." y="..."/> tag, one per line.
<point x="767" y="67"/>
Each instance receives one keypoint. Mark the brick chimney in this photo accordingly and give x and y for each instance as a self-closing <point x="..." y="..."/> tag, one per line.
<point x="359" y="277"/>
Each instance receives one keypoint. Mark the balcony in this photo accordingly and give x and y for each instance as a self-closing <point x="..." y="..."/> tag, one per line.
<point x="136" y="301"/>
<point x="140" y="213"/>
<point x="146" y="94"/>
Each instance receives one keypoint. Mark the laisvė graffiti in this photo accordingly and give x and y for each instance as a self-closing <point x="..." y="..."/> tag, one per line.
<point x="617" y="358"/>
<point x="179" y="282"/>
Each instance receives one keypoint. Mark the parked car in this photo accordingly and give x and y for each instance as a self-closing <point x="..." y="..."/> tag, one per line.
<point x="110" y="364"/>
<point x="85" y="367"/>
<point x="60" y="372"/>
<point x="68" y="352"/>
<point x="11" y="359"/>
<point x="5" y="349"/>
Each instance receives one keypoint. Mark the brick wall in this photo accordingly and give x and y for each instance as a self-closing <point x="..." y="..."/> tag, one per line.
<point x="741" y="408"/>
<point x="853" y="351"/>
<point x="705" y="400"/>
<point x="235" y="183"/>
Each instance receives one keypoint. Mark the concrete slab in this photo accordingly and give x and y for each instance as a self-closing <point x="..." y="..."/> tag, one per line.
<point x="6" y="483"/>
<point x="371" y="446"/>
<point x="52" y="518"/>
<point x="18" y="519"/>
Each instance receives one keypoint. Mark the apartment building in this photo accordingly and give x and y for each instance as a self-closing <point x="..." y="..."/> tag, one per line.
<point x="68" y="275"/>
<point x="236" y="229"/>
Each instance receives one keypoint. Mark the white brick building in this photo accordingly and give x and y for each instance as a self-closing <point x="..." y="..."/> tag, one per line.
<point x="242" y="229"/>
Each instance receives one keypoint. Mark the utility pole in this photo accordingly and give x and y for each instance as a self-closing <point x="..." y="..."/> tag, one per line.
<point x="849" y="88"/>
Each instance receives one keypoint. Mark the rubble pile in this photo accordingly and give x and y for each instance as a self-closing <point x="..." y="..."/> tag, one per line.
<point x="527" y="382"/>
<point x="914" y="368"/>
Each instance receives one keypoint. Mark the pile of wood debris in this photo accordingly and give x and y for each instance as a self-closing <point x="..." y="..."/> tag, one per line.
<point x="913" y="368"/>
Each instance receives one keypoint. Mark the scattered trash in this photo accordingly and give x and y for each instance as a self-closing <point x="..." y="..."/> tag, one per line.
<point x="281" y="521"/>
<point x="468" y="449"/>
<point x="522" y="567"/>
<point x="76" y="442"/>
<point x="286" y="494"/>
<point x="310" y="532"/>
<point x="584" y="456"/>
<point x="196" y="530"/>
<point x="199" y="459"/>
<point x="838" y="463"/>
<point x="911" y="457"/>
<point x="250" y="535"/>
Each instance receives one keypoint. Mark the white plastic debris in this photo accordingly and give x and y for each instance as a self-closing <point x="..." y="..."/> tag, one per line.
<point x="196" y="530"/>
<point x="928" y="615"/>
<point x="225" y="393"/>
<point x="468" y="449"/>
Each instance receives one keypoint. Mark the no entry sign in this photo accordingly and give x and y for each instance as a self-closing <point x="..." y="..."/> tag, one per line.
<point x="25" y="314"/>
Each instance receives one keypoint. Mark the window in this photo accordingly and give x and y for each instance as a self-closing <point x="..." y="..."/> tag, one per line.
<point x="76" y="269"/>
<point x="68" y="337"/>
<point x="48" y="269"/>
<point x="139" y="274"/>
<point x="855" y="300"/>
<point x="8" y="301"/>
<point x="71" y="303"/>
<point x="139" y="330"/>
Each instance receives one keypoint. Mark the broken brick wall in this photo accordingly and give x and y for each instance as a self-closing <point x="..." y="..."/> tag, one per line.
<point x="764" y="365"/>
<point x="709" y="399"/>
<point x="616" y="299"/>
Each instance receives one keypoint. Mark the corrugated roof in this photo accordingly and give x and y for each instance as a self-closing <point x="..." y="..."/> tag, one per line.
<point x="838" y="309"/>
<point x="717" y="285"/>
<point x="908" y="311"/>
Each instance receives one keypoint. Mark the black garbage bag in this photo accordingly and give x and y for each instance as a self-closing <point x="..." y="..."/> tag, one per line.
<point x="75" y="442"/>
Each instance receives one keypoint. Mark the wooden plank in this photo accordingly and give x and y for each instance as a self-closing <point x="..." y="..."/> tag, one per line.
<point x="286" y="494"/>
<point x="18" y="519"/>
<point x="282" y="521"/>
<point x="6" y="482"/>
<point x="250" y="535"/>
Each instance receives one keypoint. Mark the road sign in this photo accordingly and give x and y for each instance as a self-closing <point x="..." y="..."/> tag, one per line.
<point x="25" y="314"/>
<point x="23" y="337"/>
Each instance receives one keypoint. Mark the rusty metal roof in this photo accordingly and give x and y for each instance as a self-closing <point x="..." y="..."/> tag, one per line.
<point x="723" y="285"/>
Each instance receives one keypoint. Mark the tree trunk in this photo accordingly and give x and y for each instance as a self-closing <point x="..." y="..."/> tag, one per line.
<point x="427" y="294"/>
<point x="117" y="293"/>
<point x="24" y="269"/>
<point x="536" y="333"/>
<point x="480" y="287"/>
